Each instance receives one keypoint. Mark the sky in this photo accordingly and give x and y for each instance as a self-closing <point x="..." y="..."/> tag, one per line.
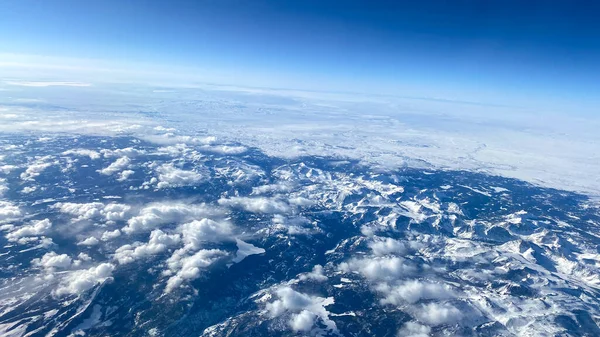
<point x="469" y="50"/>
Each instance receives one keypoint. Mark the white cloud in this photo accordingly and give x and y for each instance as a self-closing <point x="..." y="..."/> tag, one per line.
<point x="379" y="268"/>
<point x="170" y="176"/>
<point x="5" y="169"/>
<point x="109" y="235"/>
<point x="304" y="321"/>
<point x="225" y="149"/>
<point x="385" y="246"/>
<point x="413" y="291"/>
<point x="436" y="314"/>
<point x="414" y="329"/>
<point x="35" y="169"/>
<point x="189" y="267"/>
<point x="9" y="211"/>
<point x="47" y="84"/>
<point x="86" y="211"/>
<point x="316" y="274"/>
<point x="37" y="227"/>
<point x="25" y="190"/>
<point x="272" y="188"/>
<point x="304" y="308"/>
<point x="157" y="214"/>
<point x="256" y="205"/>
<point x="245" y="249"/>
<point x="118" y="165"/>
<point x="83" y="152"/>
<point x="124" y="175"/>
<point x="52" y="261"/>
<point x="91" y="241"/>
<point x="205" y="230"/>
<point x="80" y="281"/>
<point x="125" y="152"/>
<point x="159" y="242"/>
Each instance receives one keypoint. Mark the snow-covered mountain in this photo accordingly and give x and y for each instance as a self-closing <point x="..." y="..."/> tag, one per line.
<point x="172" y="236"/>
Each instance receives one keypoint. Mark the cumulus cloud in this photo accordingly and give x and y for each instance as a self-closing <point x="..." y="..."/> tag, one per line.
<point x="304" y="321"/>
<point x="189" y="267"/>
<point x="159" y="242"/>
<point x="129" y="152"/>
<point x="256" y="205"/>
<point x="109" y="235"/>
<point x="35" y="228"/>
<point x="387" y="246"/>
<point x="156" y="214"/>
<point x="3" y="187"/>
<point x="83" y="153"/>
<point x="35" y="169"/>
<point x="304" y="309"/>
<point x="245" y="249"/>
<point x="25" y="190"/>
<point x="316" y="274"/>
<point x="171" y="176"/>
<point x="272" y="188"/>
<point x="79" y="281"/>
<point x="438" y="313"/>
<point x="205" y="230"/>
<point x="413" y="291"/>
<point x="379" y="268"/>
<point x="124" y="175"/>
<point x="9" y="211"/>
<point x="86" y="211"/>
<point x="225" y="149"/>
<point x="414" y="329"/>
<point x="52" y="261"/>
<point x="91" y="241"/>
<point x="5" y="169"/>
<point x="118" y="165"/>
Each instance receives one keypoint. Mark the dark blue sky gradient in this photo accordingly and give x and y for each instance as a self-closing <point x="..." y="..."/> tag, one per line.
<point x="538" y="47"/>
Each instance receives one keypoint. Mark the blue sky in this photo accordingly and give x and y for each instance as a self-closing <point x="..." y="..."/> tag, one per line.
<point x="515" y="49"/>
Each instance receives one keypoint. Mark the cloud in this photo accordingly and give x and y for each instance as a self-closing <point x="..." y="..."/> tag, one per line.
<point x="35" y="169"/>
<point x="316" y="274"/>
<point x="124" y="175"/>
<point x="25" y="190"/>
<point x="387" y="246"/>
<point x="52" y="261"/>
<point x="304" y="321"/>
<point x="170" y="176"/>
<point x="91" y="241"/>
<point x="156" y="214"/>
<point x="437" y="314"/>
<point x="109" y="235"/>
<point x="129" y="152"/>
<point x="159" y="242"/>
<point x="79" y="281"/>
<point x="189" y="267"/>
<point x="47" y="84"/>
<point x="379" y="268"/>
<point x="3" y="187"/>
<point x="87" y="211"/>
<point x="37" y="227"/>
<point x="245" y="249"/>
<point x="197" y="232"/>
<point x="272" y="188"/>
<point x="256" y="205"/>
<point x="83" y="152"/>
<point x="9" y="211"/>
<point x="413" y="291"/>
<point x="414" y="329"/>
<point x="304" y="309"/>
<point x="225" y="149"/>
<point x="118" y="165"/>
